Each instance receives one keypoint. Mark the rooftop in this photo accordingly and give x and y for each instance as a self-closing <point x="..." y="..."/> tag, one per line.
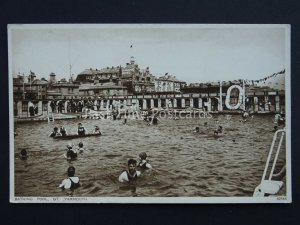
<point x="169" y="78"/>
<point x="108" y="85"/>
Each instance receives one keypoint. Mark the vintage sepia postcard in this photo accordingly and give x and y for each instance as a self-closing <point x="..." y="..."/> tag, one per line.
<point x="149" y="113"/>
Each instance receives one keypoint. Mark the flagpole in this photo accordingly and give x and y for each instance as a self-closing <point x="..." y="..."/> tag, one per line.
<point x="30" y="80"/>
<point x="220" y="102"/>
<point x="23" y="87"/>
<point x="70" y="72"/>
<point x="244" y="90"/>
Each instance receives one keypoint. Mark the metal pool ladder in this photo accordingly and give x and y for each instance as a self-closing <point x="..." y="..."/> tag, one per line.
<point x="268" y="186"/>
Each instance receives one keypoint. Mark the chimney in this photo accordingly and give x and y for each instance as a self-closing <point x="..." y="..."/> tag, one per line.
<point x="52" y="78"/>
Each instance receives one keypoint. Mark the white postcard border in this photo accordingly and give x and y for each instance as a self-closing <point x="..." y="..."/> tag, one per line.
<point x="153" y="200"/>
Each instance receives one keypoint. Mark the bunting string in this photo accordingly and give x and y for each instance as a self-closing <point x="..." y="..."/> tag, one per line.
<point x="252" y="82"/>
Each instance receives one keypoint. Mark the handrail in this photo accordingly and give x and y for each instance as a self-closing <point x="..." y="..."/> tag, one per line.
<point x="276" y="156"/>
<point x="270" y="154"/>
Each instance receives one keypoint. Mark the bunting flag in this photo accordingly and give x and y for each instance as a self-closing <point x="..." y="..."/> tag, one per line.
<point x="252" y="82"/>
<point x="267" y="77"/>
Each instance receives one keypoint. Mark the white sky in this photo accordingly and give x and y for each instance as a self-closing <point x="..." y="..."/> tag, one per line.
<point x="193" y="53"/>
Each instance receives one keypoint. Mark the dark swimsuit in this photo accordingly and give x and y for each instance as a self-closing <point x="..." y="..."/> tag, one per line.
<point x="130" y="177"/>
<point x="81" y="131"/>
<point x="155" y="120"/>
<point x="63" y="132"/>
<point x="97" y="131"/>
<point x="73" y="184"/>
<point x="71" y="154"/>
<point x="143" y="166"/>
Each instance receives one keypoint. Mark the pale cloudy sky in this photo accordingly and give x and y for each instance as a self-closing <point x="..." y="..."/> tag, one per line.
<point x="193" y="53"/>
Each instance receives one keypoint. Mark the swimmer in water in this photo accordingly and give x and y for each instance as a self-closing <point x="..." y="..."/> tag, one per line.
<point x="217" y="131"/>
<point x="275" y="129"/>
<point x="245" y="114"/>
<point x="80" y="147"/>
<point x="197" y="130"/>
<point x="54" y="132"/>
<point x="23" y="154"/>
<point x="154" y="121"/>
<point x="281" y="120"/>
<point x="97" y="130"/>
<point x="63" y="131"/>
<point x="131" y="174"/>
<point x="81" y="130"/>
<point x="71" y="152"/>
<point x="71" y="182"/>
<point x="276" y="118"/>
<point x="144" y="163"/>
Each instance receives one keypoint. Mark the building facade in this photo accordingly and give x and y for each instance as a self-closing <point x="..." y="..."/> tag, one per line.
<point x="28" y="87"/>
<point x="133" y="87"/>
<point x="168" y="83"/>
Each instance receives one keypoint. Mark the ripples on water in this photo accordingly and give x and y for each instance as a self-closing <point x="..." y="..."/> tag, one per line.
<point x="185" y="163"/>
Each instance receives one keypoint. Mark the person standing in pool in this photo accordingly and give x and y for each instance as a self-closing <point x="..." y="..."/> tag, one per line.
<point x="23" y="154"/>
<point x="80" y="147"/>
<point x="54" y="132"/>
<point x="125" y="118"/>
<point x="131" y="174"/>
<point x="71" y="152"/>
<point x="81" y="130"/>
<point x="218" y="131"/>
<point x="63" y="131"/>
<point x="197" y="130"/>
<point x="97" y="130"/>
<point x="71" y="182"/>
<point x="144" y="163"/>
<point x="155" y="120"/>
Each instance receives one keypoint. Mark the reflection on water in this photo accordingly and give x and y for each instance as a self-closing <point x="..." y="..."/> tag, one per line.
<point x="185" y="163"/>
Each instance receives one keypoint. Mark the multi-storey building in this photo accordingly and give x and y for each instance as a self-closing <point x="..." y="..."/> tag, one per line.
<point x="27" y="87"/>
<point x="137" y="81"/>
<point x="131" y="85"/>
<point x="63" y="90"/>
<point x="103" y="75"/>
<point x="101" y="83"/>
<point x="168" y="83"/>
<point x="219" y="96"/>
<point x="115" y="80"/>
<point x="97" y="89"/>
